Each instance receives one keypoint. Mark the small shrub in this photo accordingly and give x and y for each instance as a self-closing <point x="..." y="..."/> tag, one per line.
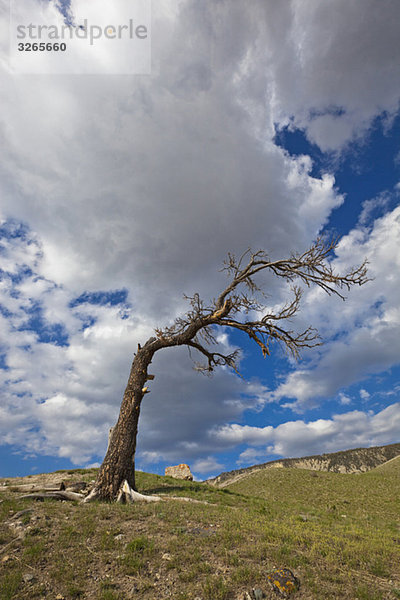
<point x="139" y="545"/>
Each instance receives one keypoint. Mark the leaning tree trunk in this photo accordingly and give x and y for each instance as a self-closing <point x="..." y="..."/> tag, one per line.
<point x="118" y="466"/>
<point x="116" y="477"/>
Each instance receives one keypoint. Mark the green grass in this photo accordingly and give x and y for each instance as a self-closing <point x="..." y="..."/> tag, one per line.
<point x="216" y="588"/>
<point x="392" y="467"/>
<point x="9" y="585"/>
<point x="340" y="534"/>
<point x="137" y="552"/>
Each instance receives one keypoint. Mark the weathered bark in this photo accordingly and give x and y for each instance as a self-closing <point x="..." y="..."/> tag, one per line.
<point x="119" y="463"/>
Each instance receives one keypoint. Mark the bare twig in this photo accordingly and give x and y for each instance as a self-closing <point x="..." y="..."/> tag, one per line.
<point x="9" y="544"/>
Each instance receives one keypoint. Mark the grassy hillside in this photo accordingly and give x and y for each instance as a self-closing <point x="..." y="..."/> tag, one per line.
<point x="356" y="460"/>
<point x="340" y="534"/>
<point x="391" y="467"/>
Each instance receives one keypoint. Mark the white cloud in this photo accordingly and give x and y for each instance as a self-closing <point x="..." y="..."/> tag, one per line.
<point x="369" y="206"/>
<point x="364" y="394"/>
<point x="330" y="71"/>
<point x="207" y="465"/>
<point x="299" y="438"/>
<point x="87" y="50"/>
<point x="140" y="147"/>
<point x="366" y="326"/>
<point x="344" y="400"/>
<point x="94" y="465"/>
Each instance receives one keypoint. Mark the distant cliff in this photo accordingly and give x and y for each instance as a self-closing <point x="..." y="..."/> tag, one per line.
<point x="358" y="460"/>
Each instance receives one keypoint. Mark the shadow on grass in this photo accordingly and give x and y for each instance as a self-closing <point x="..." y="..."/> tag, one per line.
<point x="194" y="490"/>
<point x="172" y="488"/>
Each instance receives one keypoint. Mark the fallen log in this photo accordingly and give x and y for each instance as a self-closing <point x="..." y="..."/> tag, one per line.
<point x="31" y="487"/>
<point x="57" y="495"/>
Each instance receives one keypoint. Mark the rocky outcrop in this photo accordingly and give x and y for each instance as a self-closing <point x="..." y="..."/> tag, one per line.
<point x="179" y="472"/>
<point x="358" y="460"/>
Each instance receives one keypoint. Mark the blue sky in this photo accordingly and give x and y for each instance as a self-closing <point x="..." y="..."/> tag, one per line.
<point x="121" y="193"/>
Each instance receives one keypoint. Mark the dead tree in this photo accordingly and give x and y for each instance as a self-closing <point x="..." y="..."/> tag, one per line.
<point x="238" y="307"/>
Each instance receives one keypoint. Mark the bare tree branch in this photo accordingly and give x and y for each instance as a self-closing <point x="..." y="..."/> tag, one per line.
<point x="214" y="358"/>
<point x="311" y="268"/>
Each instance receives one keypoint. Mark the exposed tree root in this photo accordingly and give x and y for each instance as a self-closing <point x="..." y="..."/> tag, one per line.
<point x="92" y="496"/>
<point x="127" y="495"/>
